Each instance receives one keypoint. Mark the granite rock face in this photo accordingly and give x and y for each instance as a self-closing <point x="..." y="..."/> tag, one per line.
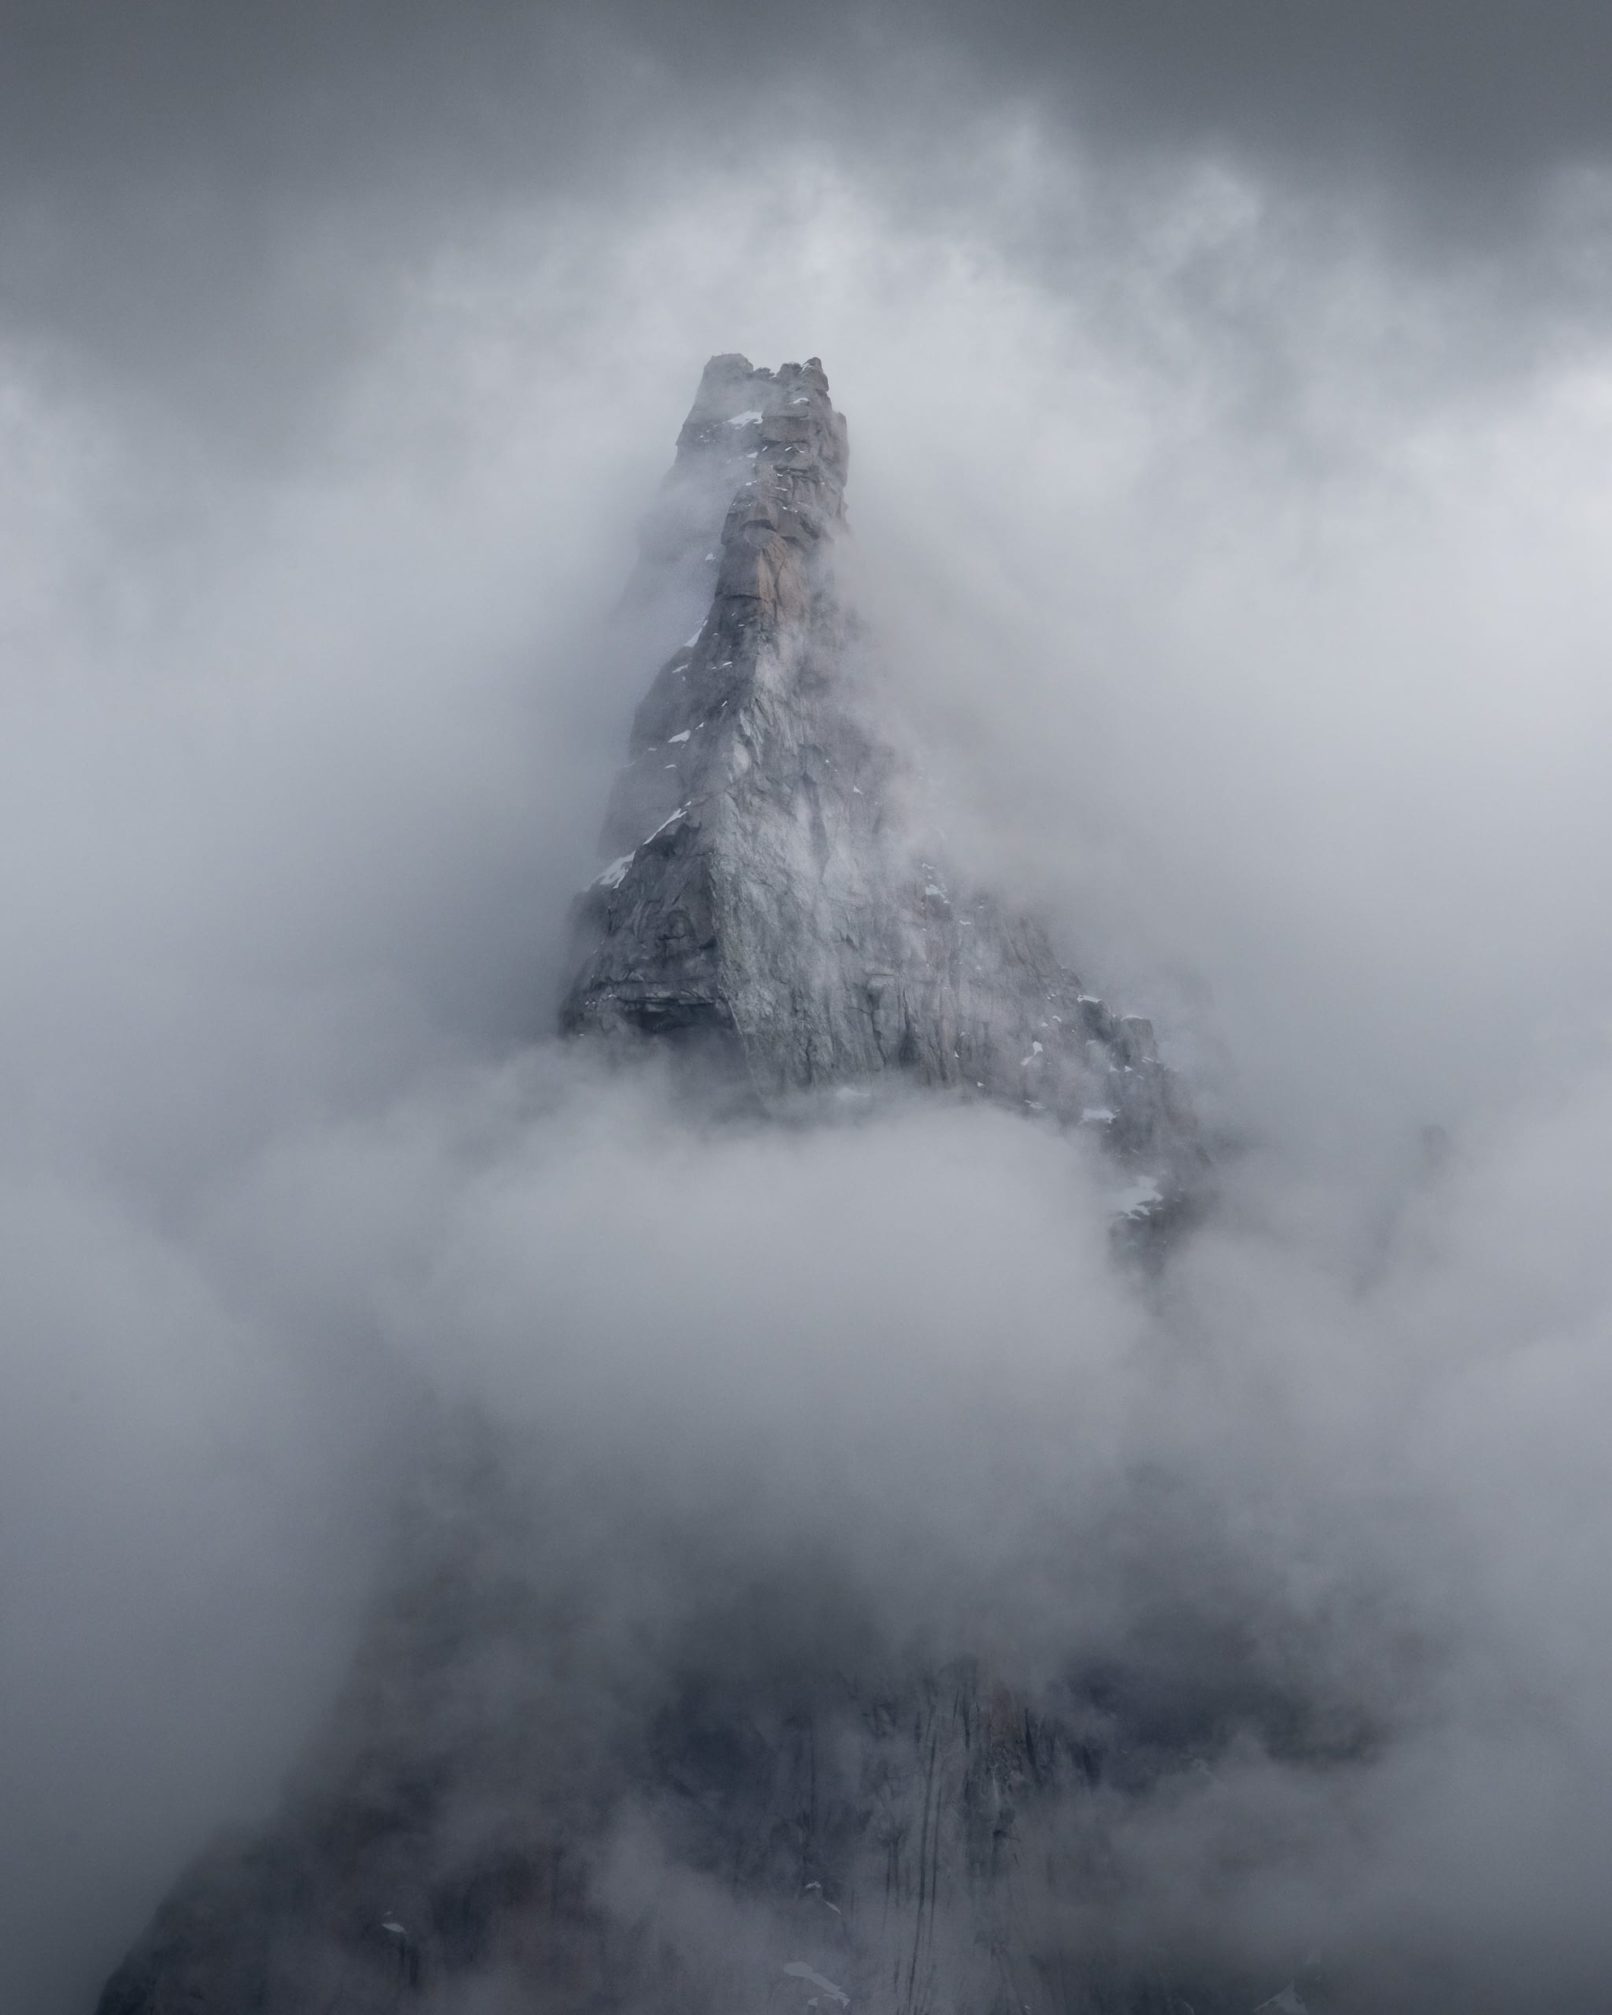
<point x="513" y="1809"/>
<point x="767" y="897"/>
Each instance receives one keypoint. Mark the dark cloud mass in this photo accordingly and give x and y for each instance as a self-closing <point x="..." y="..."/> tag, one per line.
<point x="226" y="199"/>
<point x="1230" y="393"/>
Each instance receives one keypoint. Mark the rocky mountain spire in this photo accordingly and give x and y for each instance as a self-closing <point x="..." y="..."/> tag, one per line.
<point x="766" y="897"/>
<point x="835" y="1826"/>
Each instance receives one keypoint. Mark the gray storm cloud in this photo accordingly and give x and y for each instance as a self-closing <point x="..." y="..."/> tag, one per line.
<point x="1229" y="483"/>
<point x="223" y="205"/>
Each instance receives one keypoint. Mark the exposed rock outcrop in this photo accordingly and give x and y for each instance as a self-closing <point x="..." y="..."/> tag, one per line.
<point x="766" y="896"/>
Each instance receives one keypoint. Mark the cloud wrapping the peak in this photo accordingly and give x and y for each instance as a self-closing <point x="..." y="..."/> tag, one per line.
<point x="1230" y="506"/>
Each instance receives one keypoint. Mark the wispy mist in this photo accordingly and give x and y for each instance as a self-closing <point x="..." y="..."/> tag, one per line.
<point x="1231" y="519"/>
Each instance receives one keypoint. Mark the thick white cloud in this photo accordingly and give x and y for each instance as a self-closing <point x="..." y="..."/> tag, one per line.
<point x="1246" y="603"/>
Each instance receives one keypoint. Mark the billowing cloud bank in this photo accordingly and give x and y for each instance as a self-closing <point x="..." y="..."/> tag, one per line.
<point x="1239" y="561"/>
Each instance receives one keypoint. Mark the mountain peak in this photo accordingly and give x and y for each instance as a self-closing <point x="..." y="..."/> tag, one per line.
<point x="765" y="896"/>
<point x="868" y="1819"/>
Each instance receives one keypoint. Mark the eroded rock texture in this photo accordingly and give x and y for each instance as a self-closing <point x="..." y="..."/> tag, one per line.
<point x="765" y="894"/>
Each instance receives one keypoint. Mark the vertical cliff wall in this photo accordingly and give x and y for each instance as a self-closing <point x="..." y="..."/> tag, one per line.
<point x="767" y="891"/>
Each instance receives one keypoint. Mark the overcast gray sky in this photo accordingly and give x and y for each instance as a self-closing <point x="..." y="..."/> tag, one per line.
<point x="216" y="193"/>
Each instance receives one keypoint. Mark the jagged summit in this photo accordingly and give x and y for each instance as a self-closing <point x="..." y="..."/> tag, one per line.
<point x="840" y="1823"/>
<point x="764" y="894"/>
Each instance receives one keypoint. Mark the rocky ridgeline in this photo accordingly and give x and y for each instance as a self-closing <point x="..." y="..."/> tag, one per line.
<point x="514" y="1809"/>
<point x="766" y="897"/>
